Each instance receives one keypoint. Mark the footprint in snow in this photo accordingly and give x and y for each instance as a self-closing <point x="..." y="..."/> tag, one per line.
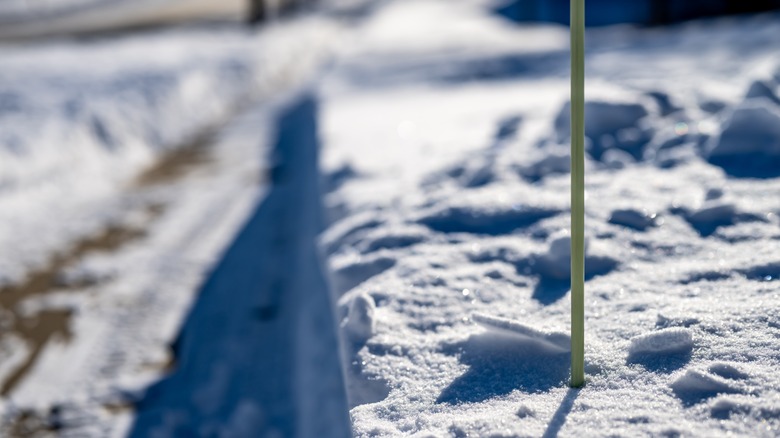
<point x="695" y="385"/>
<point x="716" y="211"/>
<point x="492" y="220"/>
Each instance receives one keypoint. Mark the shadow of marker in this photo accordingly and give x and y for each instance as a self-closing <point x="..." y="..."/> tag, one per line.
<point x="559" y="417"/>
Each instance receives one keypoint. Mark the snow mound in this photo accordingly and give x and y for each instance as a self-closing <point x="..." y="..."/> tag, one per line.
<point x="749" y="145"/>
<point x="555" y="341"/>
<point x="608" y="125"/>
<point x="507" y="358"/>
<point x="718" y="211"/>
<point x="555" y="264"/>
<point x="360" y="325"/>
<point x="477" y="172"/>
<point x="712" y="215"/>
<point x="723" y="407"/>
<point x="666" y="341"/>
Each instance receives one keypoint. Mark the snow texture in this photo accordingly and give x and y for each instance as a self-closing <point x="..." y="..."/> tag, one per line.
<point x="671" y="340"/>
<point x="462" y="143"/>
<point x="436" y="143"/>
<point x="749" y="145"/>
<point x="639" y="220"/>
<point x="559" y="342"/>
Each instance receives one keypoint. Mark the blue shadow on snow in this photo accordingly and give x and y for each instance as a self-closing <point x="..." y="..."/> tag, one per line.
<point x="258" y="354"/>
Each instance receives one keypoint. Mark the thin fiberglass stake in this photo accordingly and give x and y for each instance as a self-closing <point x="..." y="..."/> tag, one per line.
<point x="577" y="193"/>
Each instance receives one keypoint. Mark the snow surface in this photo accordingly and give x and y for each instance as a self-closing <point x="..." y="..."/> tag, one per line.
<point x="444" y="177"/>
<point x="450" y="213"/>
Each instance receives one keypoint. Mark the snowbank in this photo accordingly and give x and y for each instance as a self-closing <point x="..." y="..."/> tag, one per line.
<point x="79" y="121"/>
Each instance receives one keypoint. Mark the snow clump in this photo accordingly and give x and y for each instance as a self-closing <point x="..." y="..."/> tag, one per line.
<point x="556" y="263"/>
<point x="666" y="341"/>
<point x="749" y="145"/>
<point x="555" y="341"/>
<point x="360" y="325"/>
<point x="608" y="125"/>
<point x="636" y="219"/>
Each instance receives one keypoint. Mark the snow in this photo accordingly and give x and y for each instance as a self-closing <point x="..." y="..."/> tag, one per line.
<point x="608" y="125"/>
<point x="763" y="89"/>
<point x="261" y="336"/>
<point x="749" y="144"/>
<point x="695" y="385"/>
<point x="670" y="340"/>
<point x="360" y="322"/>
<point x="436" y="143"/>
<point x="461" y="147"/>
<point x="168" y="147"/>
<point x="639" y="220"/>
<point x="559" y="342"/>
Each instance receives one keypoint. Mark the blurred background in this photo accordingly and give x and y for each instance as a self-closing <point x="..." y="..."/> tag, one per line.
<point x="648" y="12"/>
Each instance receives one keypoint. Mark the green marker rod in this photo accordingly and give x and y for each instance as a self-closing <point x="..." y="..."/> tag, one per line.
<point x="577" y="193"/>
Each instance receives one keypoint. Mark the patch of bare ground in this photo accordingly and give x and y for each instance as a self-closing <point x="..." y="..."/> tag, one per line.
<point x="178" y="161"/>
<point x="36" y="329"/>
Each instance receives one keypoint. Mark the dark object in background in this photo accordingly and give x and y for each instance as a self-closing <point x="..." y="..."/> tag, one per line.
<point x="650" y="12"/>
<point x="257" y="11"/>
<point x="263" y="10"/>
